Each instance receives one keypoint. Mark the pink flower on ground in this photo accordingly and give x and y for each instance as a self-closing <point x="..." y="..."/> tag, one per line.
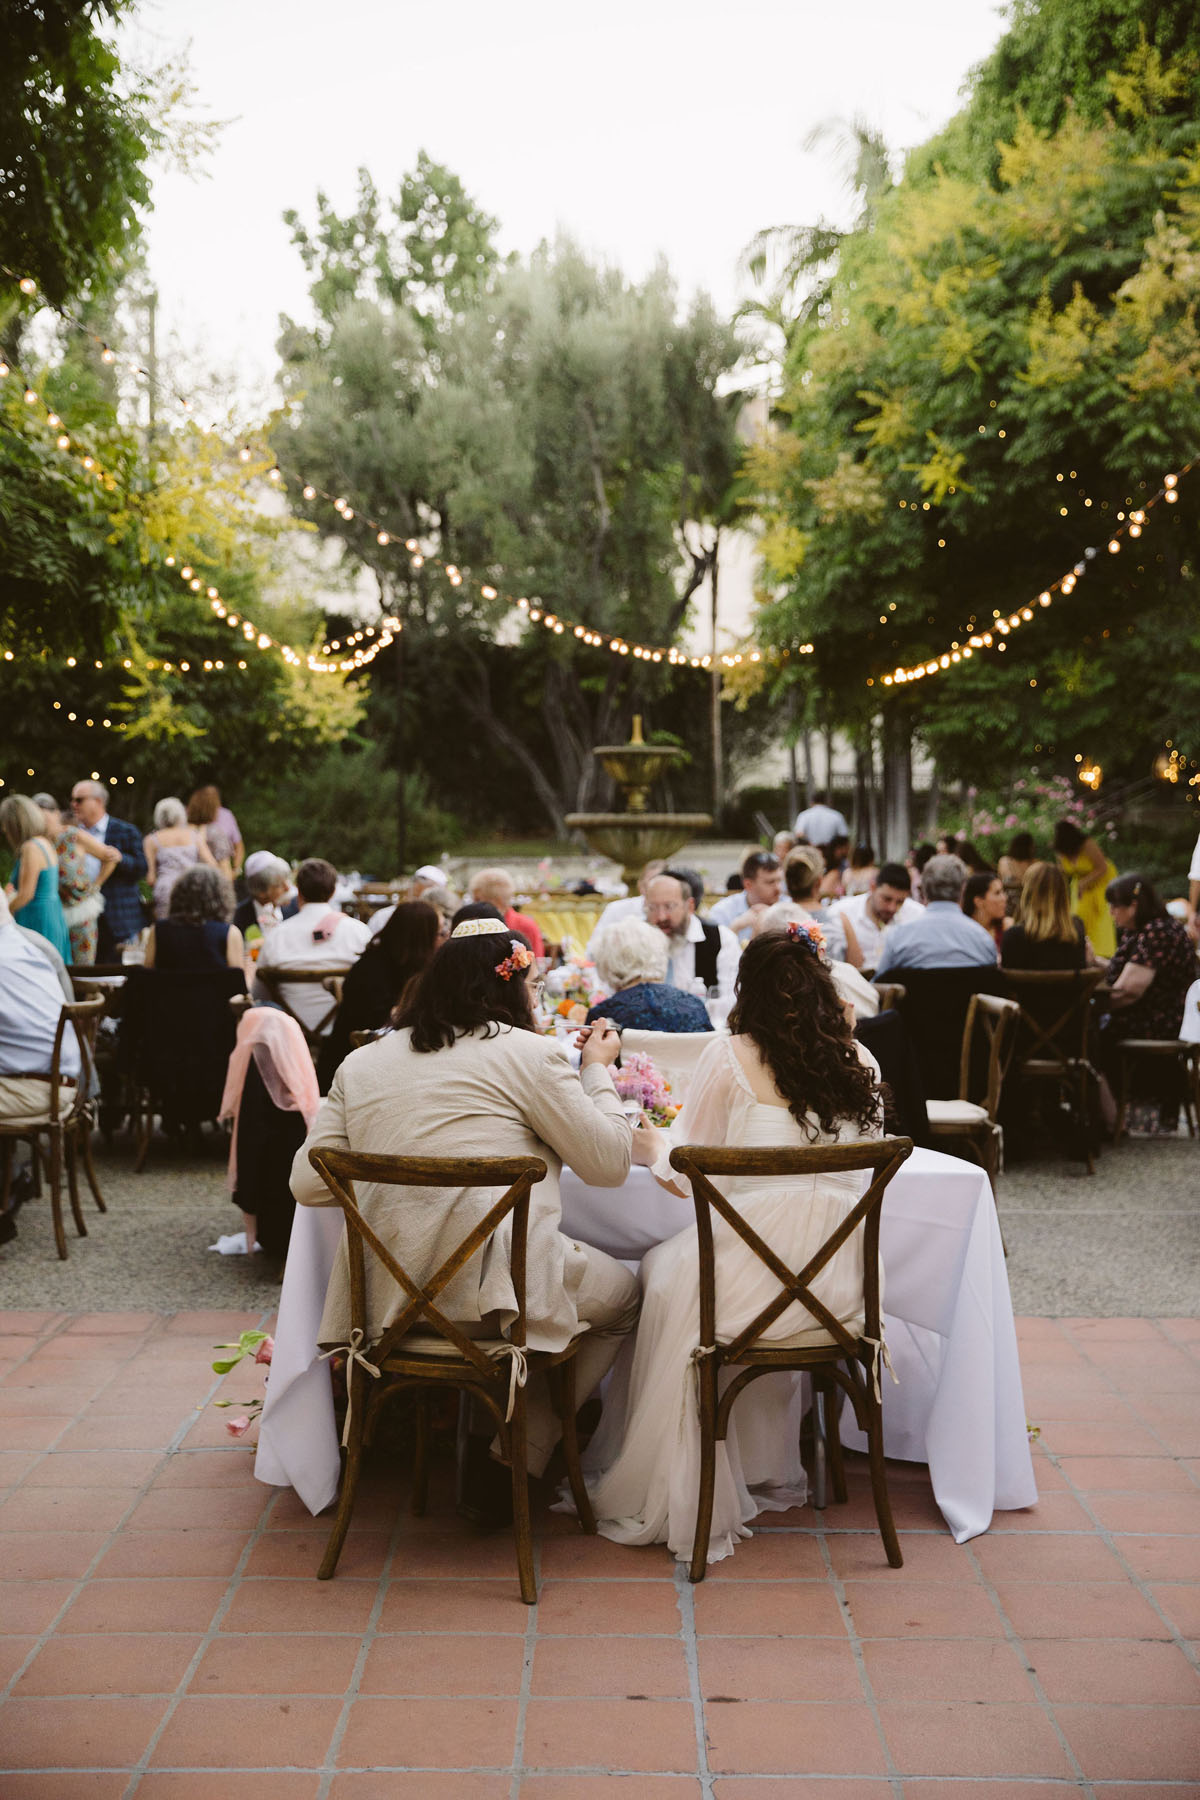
<point x="265" y="1350"/>
<point x="238" y="1427"/>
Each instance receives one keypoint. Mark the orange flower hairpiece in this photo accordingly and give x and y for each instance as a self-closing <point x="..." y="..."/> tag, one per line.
<point x="520" y="959"/>
<point x="809" y="935"/>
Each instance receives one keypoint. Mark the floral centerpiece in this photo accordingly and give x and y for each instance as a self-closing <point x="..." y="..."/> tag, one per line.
<point x="573" y="987"/>
<point x="638" y="1079"/>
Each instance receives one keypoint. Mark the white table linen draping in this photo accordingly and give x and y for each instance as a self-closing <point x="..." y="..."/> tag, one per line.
<point x="948" y="1316"/>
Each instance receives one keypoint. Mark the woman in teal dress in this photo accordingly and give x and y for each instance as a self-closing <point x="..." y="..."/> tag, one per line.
<point x="33" y="893"/>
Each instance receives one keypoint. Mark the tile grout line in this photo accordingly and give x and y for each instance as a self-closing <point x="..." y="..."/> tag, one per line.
<point x="685" y="1597"/>
<point x="1013" y="1637"/>
<point x="528" y="1652"/>
<point x="146" y="1337"/>
<point x="370" y="1633"/>
<point x="860" y="1661"/>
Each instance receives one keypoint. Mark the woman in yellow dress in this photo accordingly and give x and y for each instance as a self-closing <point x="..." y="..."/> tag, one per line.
<point x="1089" y="872"/>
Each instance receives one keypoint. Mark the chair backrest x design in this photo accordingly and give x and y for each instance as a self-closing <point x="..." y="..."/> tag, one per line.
<point x="883" y="1156"/>
<point x="340" y="1169"/>
<point x="991" y="1023"/>
<point x="275" y="979"/>
<point x="1054" y="1012"/>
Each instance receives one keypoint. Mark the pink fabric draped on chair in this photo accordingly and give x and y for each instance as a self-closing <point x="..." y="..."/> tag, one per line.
<point x="277" y="1045"/>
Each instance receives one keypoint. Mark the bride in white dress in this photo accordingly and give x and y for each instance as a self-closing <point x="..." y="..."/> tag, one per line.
<point x="790" y="1074"/>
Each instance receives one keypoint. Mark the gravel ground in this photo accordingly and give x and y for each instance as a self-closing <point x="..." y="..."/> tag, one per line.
<point x="1125" y="1242"/>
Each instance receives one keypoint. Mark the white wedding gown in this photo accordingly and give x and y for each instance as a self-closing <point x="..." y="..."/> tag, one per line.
<point x="642" y="1465"/>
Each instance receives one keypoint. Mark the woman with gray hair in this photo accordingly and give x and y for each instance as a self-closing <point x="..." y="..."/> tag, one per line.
<point x="268" y="879"/>
<point x="197" y="933"/>
<point x="631" y="960"/>
<point x="171" y="848"/>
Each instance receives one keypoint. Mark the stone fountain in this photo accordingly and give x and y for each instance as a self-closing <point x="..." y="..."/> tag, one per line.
<point x="634" y="836"/>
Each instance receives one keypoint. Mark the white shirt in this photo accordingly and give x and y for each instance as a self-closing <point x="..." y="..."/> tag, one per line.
<point x="681" y="969"/>
<point x="30" y="1004"/>
<point x="1194" y="871"/>
<point x="821" y="824"/>
<point x="293" y="944"/>
<point x="726" y="911"/>
<point x="98" y="830"/>
<point x="867" y="929"/>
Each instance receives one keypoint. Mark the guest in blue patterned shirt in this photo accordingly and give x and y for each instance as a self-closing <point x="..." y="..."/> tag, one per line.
<point x="631" y="961"/>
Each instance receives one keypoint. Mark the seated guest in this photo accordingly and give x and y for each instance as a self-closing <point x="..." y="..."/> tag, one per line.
<point x="1045" y="936"/>
<point x="381" y="980"/>
<point x="782" y="842"/>
<point x="468" y="1074"/>
<point x="31" y="1004"/>
<point x="318" y="937"/>
<point x="269" y="881"/>
<point x="197" y="934"/>
<point x="870" y="915"/>
<point x="1013" y="867"/>
<point x="629" y="907"/>
<point x="474" y="909"/>
<point x="631" y="961"/>
<point x="1149" y="973"/>
<point x="427" y="884"/>
<point x="496" y="886"/>
<point x="836" y="854"/>
<point x="943" y="937"/>
<point x="803" y="873"/>
<point x="983" y="900"/>
<point x="760" y="883"/>
<point x="697" y="950"/>
<point x="271" y="1097"/>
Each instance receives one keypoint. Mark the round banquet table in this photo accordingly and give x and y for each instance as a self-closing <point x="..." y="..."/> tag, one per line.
<point x="947" y="1313"/>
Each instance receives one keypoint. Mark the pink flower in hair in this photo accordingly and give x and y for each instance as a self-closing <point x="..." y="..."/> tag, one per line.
<point x="520" y="959"/>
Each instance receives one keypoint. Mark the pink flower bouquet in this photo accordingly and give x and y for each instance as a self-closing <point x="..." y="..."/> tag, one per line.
<point x="638" y="1079"/>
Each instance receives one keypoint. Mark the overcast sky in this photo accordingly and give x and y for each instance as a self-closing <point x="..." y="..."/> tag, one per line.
<point x="641" y="127"/>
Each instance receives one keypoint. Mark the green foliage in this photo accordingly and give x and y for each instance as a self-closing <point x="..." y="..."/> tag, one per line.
<point x="76" y="129"/>
<point x="1007" y="366"/>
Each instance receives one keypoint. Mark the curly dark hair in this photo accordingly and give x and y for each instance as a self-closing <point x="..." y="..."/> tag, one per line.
<point x="200" y="893"/>
<point x="460" y="991"/>
<point x="787" y="1005"/>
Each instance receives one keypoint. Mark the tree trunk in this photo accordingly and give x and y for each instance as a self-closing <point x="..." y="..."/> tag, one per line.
<point x="718" y="752"/>
<point x="478" y="703"/>
<point x="793" y="785"/>
<point x="399" y="675"/>
<point x="897" y="784"/>
<point x="933" y="803"/>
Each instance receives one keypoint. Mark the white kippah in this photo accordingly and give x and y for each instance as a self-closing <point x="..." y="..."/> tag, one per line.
<point x="479" y="928"/>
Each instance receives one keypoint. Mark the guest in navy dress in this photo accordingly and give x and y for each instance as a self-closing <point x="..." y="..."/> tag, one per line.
<point x="197" y="934"/>
<point x="631" y="960"/>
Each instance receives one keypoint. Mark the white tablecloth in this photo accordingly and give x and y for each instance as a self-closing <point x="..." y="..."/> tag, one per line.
<point x="958" y="1407"/>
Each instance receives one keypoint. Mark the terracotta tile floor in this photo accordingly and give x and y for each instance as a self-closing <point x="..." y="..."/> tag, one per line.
<point x="163" y="1635"/>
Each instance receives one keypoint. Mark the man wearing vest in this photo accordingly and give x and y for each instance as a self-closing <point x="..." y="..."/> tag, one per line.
<point x="697" y="950"/>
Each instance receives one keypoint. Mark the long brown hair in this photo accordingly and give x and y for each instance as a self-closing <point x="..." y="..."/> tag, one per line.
<point x="1044" y="909"/>
<point x="787" y="1005"/>
<point x="461" y="991"/>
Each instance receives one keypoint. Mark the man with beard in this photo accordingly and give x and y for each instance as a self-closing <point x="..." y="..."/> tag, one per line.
<point x="697" y="949"/>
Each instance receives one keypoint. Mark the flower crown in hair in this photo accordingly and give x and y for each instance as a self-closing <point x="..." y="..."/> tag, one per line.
<point x="512" y="965"/>
<point x="811" y="937"/>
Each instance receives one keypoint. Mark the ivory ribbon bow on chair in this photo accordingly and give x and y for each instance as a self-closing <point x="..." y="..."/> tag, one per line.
<point x="518" y="1373"/>
<point x="354" y="1353"/>
<point x="884" y="1355"/>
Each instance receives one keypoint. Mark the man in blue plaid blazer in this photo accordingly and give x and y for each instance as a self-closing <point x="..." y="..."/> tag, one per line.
<point x="122" y="918"/>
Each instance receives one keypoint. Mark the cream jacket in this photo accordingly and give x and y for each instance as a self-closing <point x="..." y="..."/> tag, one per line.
<point x="513" y="1094"/>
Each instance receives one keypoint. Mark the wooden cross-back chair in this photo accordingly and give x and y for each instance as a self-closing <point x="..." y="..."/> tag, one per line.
<point x="1052" y="1040"/>
<point x="422" y="1349"/>
<point x="836" y="1359"/>
<point x="990" y="1037"/>
<point x="276" y="979"/>
<point x="67" y="1135"/>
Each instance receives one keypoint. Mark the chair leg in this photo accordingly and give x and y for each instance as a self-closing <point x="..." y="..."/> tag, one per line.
<point x="833" y="1441"/>
<point x="820" y="1459"/>
<point x="89" y="1167"/>
<point x="522" y="1524"/>
<point x="145" y="1131"/>
<point x="1085" y="1116"/>
<point x="562" y="1386"/>
<point x="70" y="1149"/>
<point x="879" y="1488"/>
<point x="356" y="1383"/>
<point x="420" y="1486"/>
<point x="54" y="1158"/>
<point x="1122" y="1099"/>
<point x="707" y="1372"/>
